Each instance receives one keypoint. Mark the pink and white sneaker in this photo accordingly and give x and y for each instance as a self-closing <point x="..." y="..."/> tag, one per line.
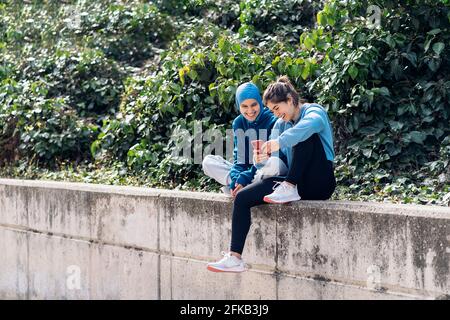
<point x="284" y="192"/>
<point x="228" y="263"/>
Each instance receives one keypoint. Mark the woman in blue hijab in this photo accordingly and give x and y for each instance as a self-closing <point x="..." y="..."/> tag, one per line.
<point x="255" y="122"/>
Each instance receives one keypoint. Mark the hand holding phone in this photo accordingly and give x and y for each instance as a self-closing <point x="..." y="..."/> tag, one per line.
<point x="257" y="145"/>
<point x="258" y="157"/>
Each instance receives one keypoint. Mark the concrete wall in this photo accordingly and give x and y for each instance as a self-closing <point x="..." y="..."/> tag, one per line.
<point x="138" y="243"/>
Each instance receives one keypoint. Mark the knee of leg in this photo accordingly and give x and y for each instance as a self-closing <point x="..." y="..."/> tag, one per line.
<point x="274" y="167"/>
<point x="308" y="142"/>
<point x="206" y="163"/>
<point x="241" y="198"/>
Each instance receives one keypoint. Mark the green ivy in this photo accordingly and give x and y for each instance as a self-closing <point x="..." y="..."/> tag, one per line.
<point x="108" y="89"/>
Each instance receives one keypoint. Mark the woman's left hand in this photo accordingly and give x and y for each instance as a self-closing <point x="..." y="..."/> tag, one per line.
<point x="236" y="190"/>
<point x="270" y="147"/>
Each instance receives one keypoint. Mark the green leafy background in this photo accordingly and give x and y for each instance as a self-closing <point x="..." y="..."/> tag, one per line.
<point x="92" y="91"/>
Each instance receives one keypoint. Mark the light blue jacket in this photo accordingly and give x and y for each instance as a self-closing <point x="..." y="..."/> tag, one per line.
<point x="313" y="119"/>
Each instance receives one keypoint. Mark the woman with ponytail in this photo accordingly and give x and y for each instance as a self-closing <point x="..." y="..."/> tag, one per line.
<point x="304" y="134"/>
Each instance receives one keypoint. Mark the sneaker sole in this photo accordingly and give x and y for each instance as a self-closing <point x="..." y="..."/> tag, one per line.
<point x="211" y="268"/>
<point x="268" y="200"/>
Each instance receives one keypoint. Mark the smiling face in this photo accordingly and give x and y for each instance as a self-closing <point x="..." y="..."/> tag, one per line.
<point x="284" y="110"/>
<point x="250" y="109"/>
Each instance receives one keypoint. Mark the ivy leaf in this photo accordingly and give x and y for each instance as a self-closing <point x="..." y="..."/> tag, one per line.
<point x="390" y="41"/>
<point x="367" y="152"/>
<point x="438" y="47"/>
<point x="417" y="137"/>
<point x="412" y="57"/>
<point x="321" y="19"/>
<point x="433" y="65"/>
<point x="353" y="72"/>
<point x="309" y="43"/>
<point x="381" y="91"/>
<point x="427" y="45"/>
<point x="395" y="125"/>
<point x="306" y="70"/>
<point x="393" y="149"/>
<point x="434" y="32"/>
<point x="372" y="130"/>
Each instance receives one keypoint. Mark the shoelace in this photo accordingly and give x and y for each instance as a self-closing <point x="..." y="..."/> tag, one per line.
<point x="226" y="255"/>
<point x="279" y="184"/>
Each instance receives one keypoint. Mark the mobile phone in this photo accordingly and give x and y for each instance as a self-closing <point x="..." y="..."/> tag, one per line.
<point x="257" y="144"/>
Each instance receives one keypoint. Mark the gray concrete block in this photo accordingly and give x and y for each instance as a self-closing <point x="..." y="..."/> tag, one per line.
<point x="13" y="205"/>
<point x="139" y="243"/>
<point x="14" y="264"/>
<point x="302" y="288"/>
<point x="59" y="268"/>
<point x="125" y="220"/>
<point x="184" y="278"/>
<point x="125" y="274"/>
<point x="59" y="211"/>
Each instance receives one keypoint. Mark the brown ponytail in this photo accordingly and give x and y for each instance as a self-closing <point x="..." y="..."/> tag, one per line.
<point x="280" y="91"/>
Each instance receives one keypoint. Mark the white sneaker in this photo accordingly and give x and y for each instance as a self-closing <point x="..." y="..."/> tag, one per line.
<point x="229" y="263"/>
<point x="283" y="192"/>
<point x="226" y="190"/>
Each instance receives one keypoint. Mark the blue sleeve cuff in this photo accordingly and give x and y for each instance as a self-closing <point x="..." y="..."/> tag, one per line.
<point x="243" y="180"/>
<point x="246" y="177"/>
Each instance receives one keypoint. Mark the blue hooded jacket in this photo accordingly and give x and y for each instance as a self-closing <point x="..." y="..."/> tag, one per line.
<point x="243" y="171"/>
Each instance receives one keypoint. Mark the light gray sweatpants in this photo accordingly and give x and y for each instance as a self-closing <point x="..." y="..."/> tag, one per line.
<point x="218" y="168"/>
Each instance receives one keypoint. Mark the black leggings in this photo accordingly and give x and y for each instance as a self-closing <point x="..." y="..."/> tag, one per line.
<point x="310" y="171"/>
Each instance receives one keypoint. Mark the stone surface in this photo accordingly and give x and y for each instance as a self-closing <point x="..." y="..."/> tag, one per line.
<point x="13" y="264"/>
<point x="139" y="243"/>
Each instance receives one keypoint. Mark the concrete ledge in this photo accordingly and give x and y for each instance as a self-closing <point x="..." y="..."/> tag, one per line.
<point x="140" y="243"/>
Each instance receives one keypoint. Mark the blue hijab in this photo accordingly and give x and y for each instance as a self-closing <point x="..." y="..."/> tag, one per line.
<point x="249" y="90"/>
